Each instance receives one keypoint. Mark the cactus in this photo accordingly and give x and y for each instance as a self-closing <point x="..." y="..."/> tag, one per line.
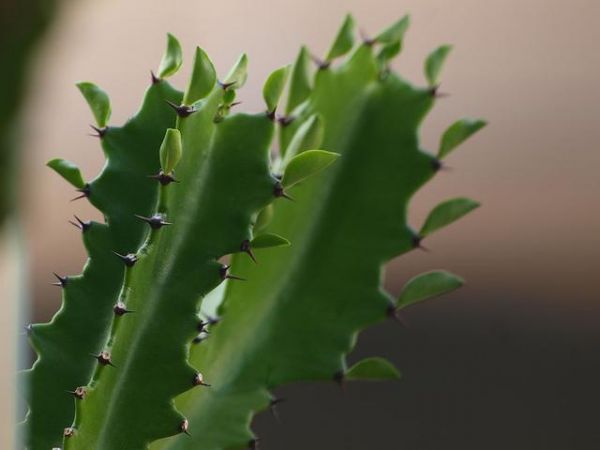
<point x="148" y="367"/>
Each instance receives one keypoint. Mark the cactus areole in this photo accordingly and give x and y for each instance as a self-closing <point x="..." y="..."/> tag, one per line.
<point x="135" y="359"/>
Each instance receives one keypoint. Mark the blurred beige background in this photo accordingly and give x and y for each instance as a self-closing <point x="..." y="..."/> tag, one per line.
<point x="530" y="67"/>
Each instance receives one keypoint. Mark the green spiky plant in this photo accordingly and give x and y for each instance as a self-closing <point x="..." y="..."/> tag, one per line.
<point x="146" y="363"/>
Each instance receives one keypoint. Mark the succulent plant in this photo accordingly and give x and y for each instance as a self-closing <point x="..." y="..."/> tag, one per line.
<point x="162" y="343"/>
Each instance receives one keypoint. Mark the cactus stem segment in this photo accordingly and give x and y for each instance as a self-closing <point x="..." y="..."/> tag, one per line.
<point x="181" y="110"/>
<point x="80" y="224"/>
<point x="199" y="380"/>
<point x="155" y="222"/>
<point x="104" y="358"/>
<point x="129" y="260"/>
<point x="120" y="309"/>
<point x="245" y="247"/>
<point x="278" y="191"/>
<point x="184" y="427"/>
<point x="225" y="275"/>
<point x="79" y="393"/>
<point x="85" y="192"/>
<point x="62" y="281"/>
<point x="99" y="132"/>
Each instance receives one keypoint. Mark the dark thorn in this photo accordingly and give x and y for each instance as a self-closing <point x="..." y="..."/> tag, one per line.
<point x="198" y="339"/>
<point x="202" y="326"/>
<point x="417" y="242"/>
<point x="213" y="320"/>
<point x="155" y="222"/>
<point x="271" y="115"/>
<point x="226" y="86"/>
<point x="278" y="191"/>
<point x="436" y="164"/>
<point x="154" y="78"/>
<point x="366" y="39"/>
<point x="393" y="313"/>
<point x="62" y="281"/>
<point x="100" y="132"/>
<point x="69" y="432"/>
<point x="28" y="329"/>
<point x="78" y="393"/>
<point x="183" y="427"/>
<point x="199" y="380"/>
<point x="163" y="178"/>
<point x="104" y="358"/>
<point x="120" y="309"/>
<point x="253" y="444"/>
<point x="83" y="226"/>
<point x="284" y="121"/>
<point x="245" y="247"/>
<point x="85" y="192"/>
<point x="224" y="272"/>
<point x="181" y="110"/>
<point x="434" y="92"/>
<point x="273" y="407"/>
<point x="322" y="65"/>
<point x="129" y="260"/>
<point x="234" y="104"/>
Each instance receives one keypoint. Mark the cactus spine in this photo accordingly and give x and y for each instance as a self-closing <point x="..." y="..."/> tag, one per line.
<point x="213" y="192"/>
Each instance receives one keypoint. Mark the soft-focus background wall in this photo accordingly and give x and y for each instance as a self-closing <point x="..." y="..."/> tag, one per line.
<point x="511" y="360"/>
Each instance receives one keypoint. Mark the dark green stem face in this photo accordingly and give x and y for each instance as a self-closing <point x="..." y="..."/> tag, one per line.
<point x="164" y="375"/>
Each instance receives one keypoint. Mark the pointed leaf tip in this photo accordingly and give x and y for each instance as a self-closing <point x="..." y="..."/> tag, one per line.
<point x="269" y="240"/>
<point x="300" y="81"/>
<point x="172" y="58"/>
<point x="428" y="285"/>
<point x="170" y="150"/>
<point x="203" y="78"/>
<point x="305" y="165"/>
<point x="68" y="170"/>
<point x="435" y="62"/>
<point x="344" y="40"/>
<point x="238" y="73"/>
<point x="274" y="86"/>
<point x="457" y="133"/>
<point x="373" y="369"/>
<point x="447" y="212"/>
<point x="395" y="32"/>
<point x="98" y="102"/>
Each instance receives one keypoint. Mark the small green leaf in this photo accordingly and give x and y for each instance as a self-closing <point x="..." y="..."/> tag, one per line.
<point x="395" y="32"/>
<point x="274" y="86"/>
<point x="238" y="73"/>
<point x="373" y="369"/>
<point x="308" y="136"/>
<point x="98" y="101"/>
<point x="263" y="219"/>
<point x="172" y="59"/>
<point x="269" y="240"/>
<point x="300" y="81"/>
<point x="457" y="133"/>
<point x="434" y="63"/>
<point x="203" y="78"/>
<point x="68" y="171"/>
<point x="306" y="164"/>
<point x="447" y="212"/>
<point x="428" y="285"/>
<point x="170" y="150"/>
<point x="344" y="40"/>
<point x="388" y="51"/>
